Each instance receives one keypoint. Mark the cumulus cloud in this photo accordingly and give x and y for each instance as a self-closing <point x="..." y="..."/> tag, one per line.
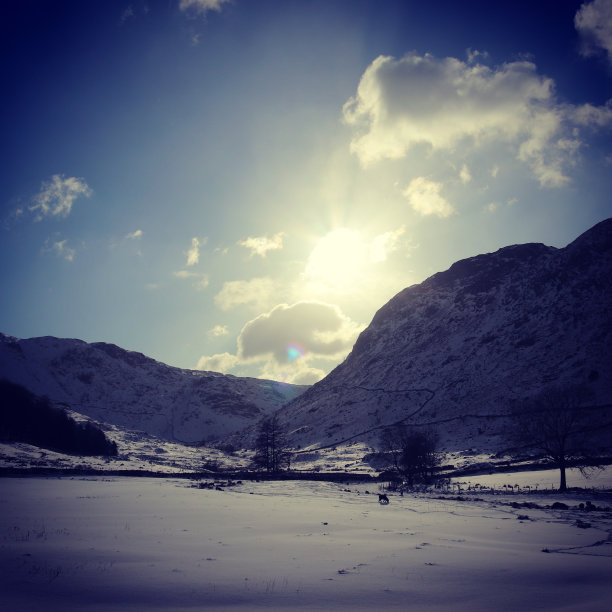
<point x="257" y="292"/>
<point x="260" y="245"/>
<point x="57" y="196"/>
<point x="444" y="103"/>
<point x="594" y="24"/>
<point x="289" y="332"/>
<point x="202" y="7"/>
<point x="424" y="197"/>
<point x="284" y="342"/>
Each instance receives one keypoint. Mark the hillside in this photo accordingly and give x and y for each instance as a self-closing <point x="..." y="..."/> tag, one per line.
<point x="125" y="388"/>
<point x="456" y="350"/>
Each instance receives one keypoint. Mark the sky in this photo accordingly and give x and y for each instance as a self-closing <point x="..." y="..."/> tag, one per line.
<point x="239" y="185"/>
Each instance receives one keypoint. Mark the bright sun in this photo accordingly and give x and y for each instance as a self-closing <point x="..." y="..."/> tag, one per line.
<point x="338" y="258"/>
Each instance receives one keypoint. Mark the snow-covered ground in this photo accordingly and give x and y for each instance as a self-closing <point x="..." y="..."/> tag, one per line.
<point x="160" y="544"/>
<point x="534" y="481"/>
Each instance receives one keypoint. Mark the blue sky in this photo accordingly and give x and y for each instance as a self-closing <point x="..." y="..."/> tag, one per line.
<point x="239" y="185"/>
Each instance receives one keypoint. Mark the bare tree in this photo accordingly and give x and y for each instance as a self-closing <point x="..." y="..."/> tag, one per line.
<point x="413" y="452"/>
<point x="271" y="448"/>
<point x="559" y="423"/>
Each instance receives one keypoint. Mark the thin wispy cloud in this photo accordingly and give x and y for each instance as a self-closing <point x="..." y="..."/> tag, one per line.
<point x="257" y="292"/>
<point x="127" y="14"/>
<point x="201" y="7"/>
<point x="136" y="235"/>
<point x="193" y="254"/>
<point x="57" y="195"/>
<point x="202" y="281"/>
<point x="594" y="24"/>
<point x="260" y="245"/>
<point x="61" y="249"/>
<point x="184" y="274"/>
<point x="218" y="331"/>
<point x="465" y="175"/>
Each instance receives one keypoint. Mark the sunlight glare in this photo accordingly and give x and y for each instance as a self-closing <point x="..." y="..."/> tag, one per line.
<point x="338" y="258"/>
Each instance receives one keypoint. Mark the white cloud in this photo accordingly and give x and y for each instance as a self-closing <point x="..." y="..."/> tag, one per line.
<point x="384" y="244"/>
<point x="184" y="274"/>
<point x="217" y="331"/>
<point x="134" y="235"/>
<point x="424" y="197"/>
<point x="193" y="254"/>
<point x="57" y="196"/>
<point x="221" y="362"/>
<point x="593" y="116"/>
<point x="258" y="291"/>
<point x="492" y="207"/>
<point x="202" y="282"/>
<point x="474" y="54"/>
<point x="297" y="373"/>
<point x="260" y="245"/>
<point x="290" y="332"/>
<point x="446" y="103"/>
<point x="594" y="23"/>
<point x="464" y="175"/>
<point x="128" y="13"/>
<point x="202" y="6"/>
<point x="283" y="342"/>
<point x="61" y="249"/>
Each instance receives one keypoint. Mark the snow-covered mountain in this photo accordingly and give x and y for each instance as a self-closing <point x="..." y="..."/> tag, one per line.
<point x="455" y="350"/>
<point x="126" y="388"/>
<point x="452" y="352"/>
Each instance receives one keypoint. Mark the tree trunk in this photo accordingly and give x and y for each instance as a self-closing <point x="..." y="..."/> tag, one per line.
<point x="563" y="483"/>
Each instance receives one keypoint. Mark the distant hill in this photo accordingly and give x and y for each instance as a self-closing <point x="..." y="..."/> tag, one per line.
<point x="126" y="388"/>
<point x="455" y="350"/>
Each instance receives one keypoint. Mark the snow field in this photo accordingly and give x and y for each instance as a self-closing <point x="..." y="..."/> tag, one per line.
<point x="158" y="544"/>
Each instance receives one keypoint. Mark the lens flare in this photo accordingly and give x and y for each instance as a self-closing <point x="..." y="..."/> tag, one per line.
<point x="294" y="351"/>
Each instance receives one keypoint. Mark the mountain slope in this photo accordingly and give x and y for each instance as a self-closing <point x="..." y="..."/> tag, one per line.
<point x="455" y="350"/>
<point x="128" y="389"/>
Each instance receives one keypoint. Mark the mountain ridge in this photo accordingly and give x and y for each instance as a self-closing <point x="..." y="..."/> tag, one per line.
<point x="129" y="389"/>
<point x="467" y="342"/>
<point x="452" y="352"/>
